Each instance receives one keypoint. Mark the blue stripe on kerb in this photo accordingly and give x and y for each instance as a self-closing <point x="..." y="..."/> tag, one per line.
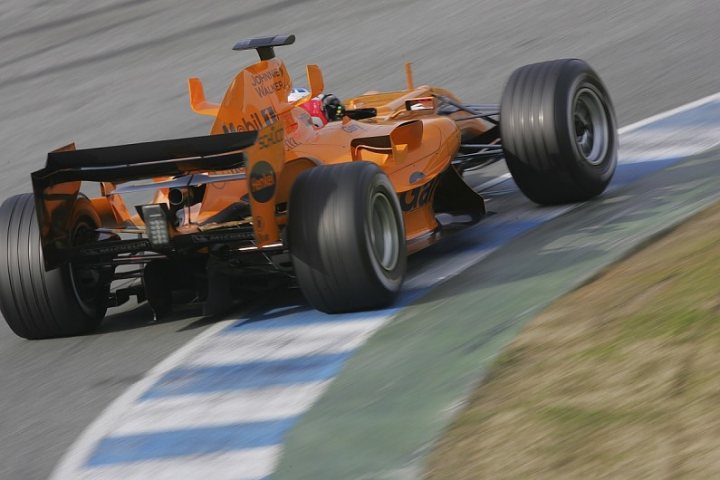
<point x="189" y="380"/>
<point x="193" y="441"/>
<point x="627" y="173"/>
<point x="502" y="233"/>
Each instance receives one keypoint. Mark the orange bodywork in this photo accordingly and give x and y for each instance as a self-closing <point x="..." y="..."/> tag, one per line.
<point x="413" y="147"/>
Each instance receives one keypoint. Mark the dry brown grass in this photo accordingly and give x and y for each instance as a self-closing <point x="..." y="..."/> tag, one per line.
<point x="620" y="379"/>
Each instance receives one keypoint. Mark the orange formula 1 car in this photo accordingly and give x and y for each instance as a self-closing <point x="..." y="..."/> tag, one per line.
<point x="272" y="192"/>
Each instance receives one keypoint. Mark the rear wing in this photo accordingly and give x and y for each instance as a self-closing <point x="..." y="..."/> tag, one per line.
<point x="57" y="186"/>
<point x="143" y="160"/>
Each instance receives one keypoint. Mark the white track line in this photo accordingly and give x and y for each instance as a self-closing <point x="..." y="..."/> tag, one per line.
<point x="72" y="463"/>
<point x="669" y="113"/>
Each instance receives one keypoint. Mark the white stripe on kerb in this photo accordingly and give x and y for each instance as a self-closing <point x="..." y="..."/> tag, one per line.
<point x="249" y="464"/>
<point x="218" y="409"/>
<point x="283" y="343"/>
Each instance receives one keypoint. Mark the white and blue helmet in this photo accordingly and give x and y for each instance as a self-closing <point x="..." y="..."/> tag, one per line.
<point x="298" y="93"/>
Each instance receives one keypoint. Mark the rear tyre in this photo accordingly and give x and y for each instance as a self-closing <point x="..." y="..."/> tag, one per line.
<point x="347" y="239"/>
<point x="36" y="303"/>
<point x="558" y="131"/>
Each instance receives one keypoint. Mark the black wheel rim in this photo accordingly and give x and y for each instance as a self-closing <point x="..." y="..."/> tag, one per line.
<point x="86" y="281"/>
<point x="591" y="126"/>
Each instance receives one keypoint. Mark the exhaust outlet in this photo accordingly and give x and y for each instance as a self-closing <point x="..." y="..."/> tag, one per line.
<point x="178" y="197"/>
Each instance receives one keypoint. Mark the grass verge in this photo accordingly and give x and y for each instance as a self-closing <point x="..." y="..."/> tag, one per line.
<point x="618" y="379"/>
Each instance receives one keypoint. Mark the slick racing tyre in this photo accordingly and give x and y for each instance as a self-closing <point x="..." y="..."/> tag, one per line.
<point x="42" y="304"/>
<point x="558" y="131"/>
<point x="347" y="239"/>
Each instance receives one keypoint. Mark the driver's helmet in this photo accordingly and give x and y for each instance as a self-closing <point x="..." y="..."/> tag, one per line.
<point x="313" y="106"/>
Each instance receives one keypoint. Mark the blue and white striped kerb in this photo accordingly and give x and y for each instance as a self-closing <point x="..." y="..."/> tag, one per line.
<point x="219" y="407"/>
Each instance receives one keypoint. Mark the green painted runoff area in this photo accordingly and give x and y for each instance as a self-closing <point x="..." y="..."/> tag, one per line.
<point x="401" y="390"/>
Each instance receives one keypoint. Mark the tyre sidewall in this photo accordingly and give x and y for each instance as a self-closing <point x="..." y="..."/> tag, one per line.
<point x="390" y="279"/>
<point x="575" y="77"/>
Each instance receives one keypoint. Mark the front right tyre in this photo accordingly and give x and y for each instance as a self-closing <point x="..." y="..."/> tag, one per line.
<point x="558" y="131"/>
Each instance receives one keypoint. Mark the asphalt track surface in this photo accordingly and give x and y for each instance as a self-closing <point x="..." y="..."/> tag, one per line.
<point x="114" y="72"/>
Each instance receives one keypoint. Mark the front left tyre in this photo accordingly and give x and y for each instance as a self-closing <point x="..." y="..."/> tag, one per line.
<point x="66" y="301"/>
<point x="347" y="237"/>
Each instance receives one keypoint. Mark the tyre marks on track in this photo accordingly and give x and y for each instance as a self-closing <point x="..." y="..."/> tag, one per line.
<point x="220" y="406"/>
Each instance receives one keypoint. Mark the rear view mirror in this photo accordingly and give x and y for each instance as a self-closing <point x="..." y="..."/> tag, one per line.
<point x="315" y="80"/>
